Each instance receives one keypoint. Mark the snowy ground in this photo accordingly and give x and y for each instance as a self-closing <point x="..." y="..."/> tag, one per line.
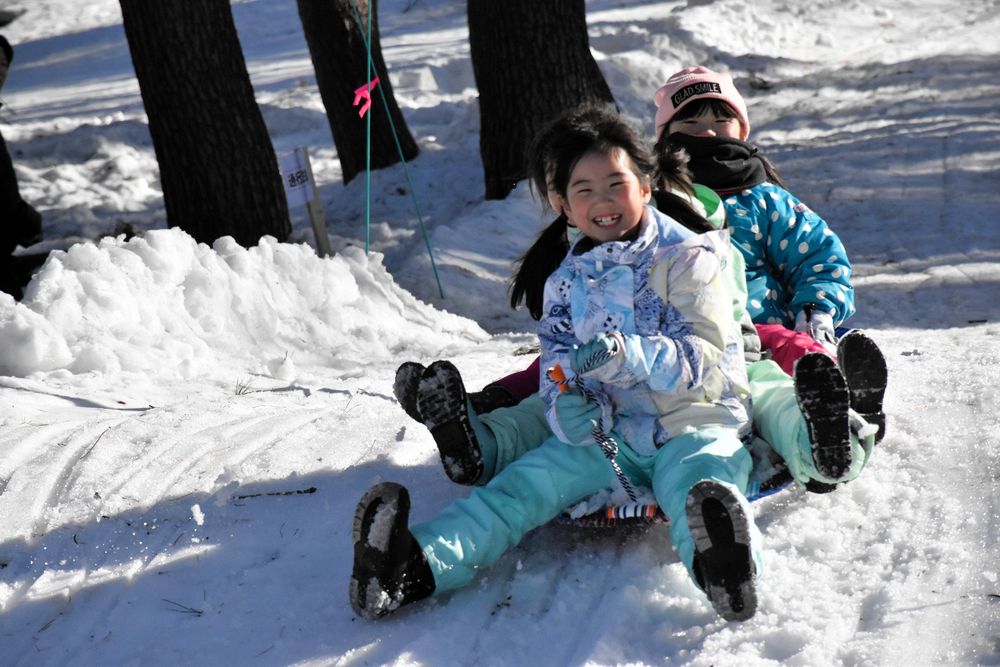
<point x="185" y="431"/>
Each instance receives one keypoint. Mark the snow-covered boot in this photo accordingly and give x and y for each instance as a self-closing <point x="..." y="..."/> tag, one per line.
<point x="390" y="569"/>
<point x="823" y="397"/>
<point x="405" y="387"/>
<point x="491" y="397"/>
<point x="863" y="364"/>
<point x="444" y="405"/>
<point x="723" y="561"/>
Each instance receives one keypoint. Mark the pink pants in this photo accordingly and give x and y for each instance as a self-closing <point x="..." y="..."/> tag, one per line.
<point x="786" y="345"/>
<point x="522" y="384"/>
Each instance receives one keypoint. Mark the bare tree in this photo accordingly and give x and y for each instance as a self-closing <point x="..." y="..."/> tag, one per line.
<point x="336" y="32"/>
<point x="531" y="61"/>
<point x="218" y="169"/>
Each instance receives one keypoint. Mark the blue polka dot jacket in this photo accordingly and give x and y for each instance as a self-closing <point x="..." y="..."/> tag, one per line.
<point x="792" y="256"/>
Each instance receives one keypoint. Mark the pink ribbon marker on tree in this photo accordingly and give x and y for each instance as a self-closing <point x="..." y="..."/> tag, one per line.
<point x="364" y="93"/>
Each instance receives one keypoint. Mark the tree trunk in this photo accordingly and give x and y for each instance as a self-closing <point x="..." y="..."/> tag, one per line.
<point x="531" y="61"/>
<point x="218" y="169"/>
<point x="336" y="42"/>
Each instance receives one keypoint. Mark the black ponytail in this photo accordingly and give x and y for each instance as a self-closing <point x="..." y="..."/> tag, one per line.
<point x="674" y="175"/>
<point x="680" y="210"/>
<point x="536" y="265"/>
<point x="770" y="170"/>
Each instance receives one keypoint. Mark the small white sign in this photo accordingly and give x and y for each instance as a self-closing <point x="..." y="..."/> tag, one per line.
<point x="295" y="174"/>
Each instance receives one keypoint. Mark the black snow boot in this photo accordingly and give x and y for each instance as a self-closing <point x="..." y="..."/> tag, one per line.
<point x="822" y="394"/>
<point x="863" y="364"/>
<point x="390" y="569"/>
<point x="405" y="387"/>
<point x="723" y="561"/>
<point x="491" y="397"/>
<point x="816" y="486"/>
<point x="443" y="403"/>
<point x="407" y="383"/>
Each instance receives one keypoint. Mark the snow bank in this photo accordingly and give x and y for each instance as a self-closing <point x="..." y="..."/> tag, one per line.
<point x="164" y="303"/>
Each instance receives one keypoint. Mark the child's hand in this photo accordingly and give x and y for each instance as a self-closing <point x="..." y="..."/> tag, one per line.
<point x="819" y="325"/>
<point x="590" y="356"/>
<point x="577" y="418"/>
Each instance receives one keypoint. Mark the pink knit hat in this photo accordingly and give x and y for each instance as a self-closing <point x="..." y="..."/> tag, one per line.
<point x="698" y="83"/>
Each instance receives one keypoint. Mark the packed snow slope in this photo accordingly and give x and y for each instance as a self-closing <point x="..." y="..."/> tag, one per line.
<point x="185" y="430"/>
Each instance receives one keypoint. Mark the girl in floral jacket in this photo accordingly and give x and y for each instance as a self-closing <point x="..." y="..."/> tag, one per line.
<point x="641" y="317"/>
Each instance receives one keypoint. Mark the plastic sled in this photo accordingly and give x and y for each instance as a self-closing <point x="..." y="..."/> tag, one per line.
<point x="769" y="476"/>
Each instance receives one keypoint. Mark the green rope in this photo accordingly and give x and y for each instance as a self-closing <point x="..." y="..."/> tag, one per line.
<point x="399" y="149"/>
<point x="368" y="140"/>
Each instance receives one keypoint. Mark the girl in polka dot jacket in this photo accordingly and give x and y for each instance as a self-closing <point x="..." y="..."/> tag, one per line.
<point x="798" y="274"/>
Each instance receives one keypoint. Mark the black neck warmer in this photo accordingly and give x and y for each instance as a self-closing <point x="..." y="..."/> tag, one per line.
<point x="722" y="164"/>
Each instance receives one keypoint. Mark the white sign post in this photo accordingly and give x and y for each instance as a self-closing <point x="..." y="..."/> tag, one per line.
<point x="300" y="189"/>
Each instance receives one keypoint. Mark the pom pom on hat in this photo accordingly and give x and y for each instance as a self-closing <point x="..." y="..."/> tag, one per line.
<point x="698" y="83"/>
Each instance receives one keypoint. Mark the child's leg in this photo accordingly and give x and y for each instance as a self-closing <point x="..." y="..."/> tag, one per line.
<point x="447" y="412"/>
<point x="491" y="397"/>
<point x="474" y="448"/>
<point x="472" y="533"/>
<point x="515" y="430"/>
<point x="699" y="480"/>
<point x="501" y="437"/>
<point x="778" y="419"/>
<point x="867" y="376"/>
<point x="521" y="384"/>
<point x="389" y="568"/>
<point x="786" y="345"/>
<point x="406" y="388"/>
<point x="715" y="454"/>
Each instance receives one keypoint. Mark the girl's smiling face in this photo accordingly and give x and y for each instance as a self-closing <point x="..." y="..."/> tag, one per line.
<point x="604" y="198"/>
<point x="707" y="124"/>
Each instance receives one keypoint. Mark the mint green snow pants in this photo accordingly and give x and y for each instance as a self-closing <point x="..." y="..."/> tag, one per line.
<point x="472" y="533"/>
<point x="510" y="432"/>
<point x="778" y="420"/>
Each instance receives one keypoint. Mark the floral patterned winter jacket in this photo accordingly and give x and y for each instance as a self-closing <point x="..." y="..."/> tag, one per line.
<point x="666" y="296"/>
